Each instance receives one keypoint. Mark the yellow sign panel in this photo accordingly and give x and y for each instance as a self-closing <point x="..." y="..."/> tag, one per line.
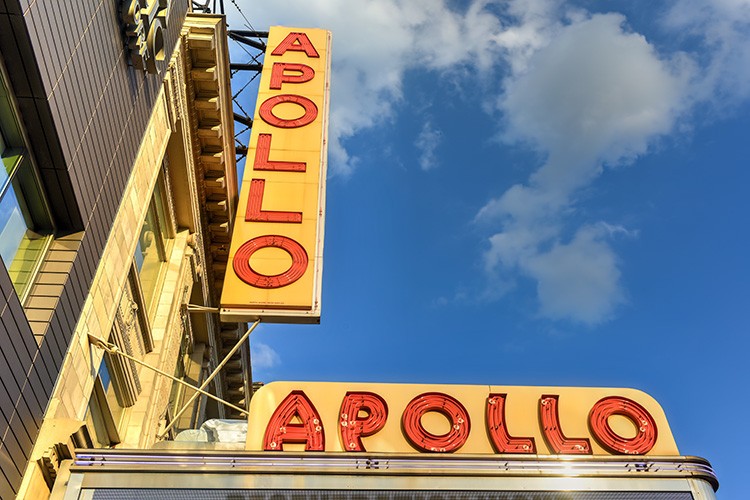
<point x="276" y="254"/>
<point x="463" y="419"/>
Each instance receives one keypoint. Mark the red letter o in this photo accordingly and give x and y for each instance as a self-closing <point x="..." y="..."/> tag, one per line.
<point x="645" y="438"/>
<point x="447" y="406"/>
<point x="266" y="111"/>
<point x="241" y="262"/>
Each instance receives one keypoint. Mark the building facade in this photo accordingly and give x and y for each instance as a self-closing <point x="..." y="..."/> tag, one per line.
<point x="116" y="215"/>
<point x="119" y="181"/>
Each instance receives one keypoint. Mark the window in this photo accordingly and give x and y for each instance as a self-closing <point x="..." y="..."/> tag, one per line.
<point x="132" y="335"/>
<point x="191" y="367"/>
<point x="154" y="245"/>
<point x="117" y="384"/>
<point x="177" y="395"/>
<point x="25" y="223"/>
<point x="110" y="394"/>
<point x="104" y="414"/>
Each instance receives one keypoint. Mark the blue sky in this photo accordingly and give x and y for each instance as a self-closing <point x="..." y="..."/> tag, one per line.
<point x="536" y="193"/>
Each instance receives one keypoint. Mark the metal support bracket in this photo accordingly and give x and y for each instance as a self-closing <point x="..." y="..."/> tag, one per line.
<point x="208" y="381"/>
<point x="113" y="349"/>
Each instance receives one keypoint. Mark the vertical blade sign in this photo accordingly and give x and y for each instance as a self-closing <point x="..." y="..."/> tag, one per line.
<point x="276" y="254"/>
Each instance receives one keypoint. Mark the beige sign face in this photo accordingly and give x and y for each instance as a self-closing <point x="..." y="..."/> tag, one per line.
<point x="276" y="254"/>
<point x="471" y="419"/>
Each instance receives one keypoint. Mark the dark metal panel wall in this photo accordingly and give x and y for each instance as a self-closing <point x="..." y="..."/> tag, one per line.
<point x="85" y="110"/>
<point x="23" y="394"/>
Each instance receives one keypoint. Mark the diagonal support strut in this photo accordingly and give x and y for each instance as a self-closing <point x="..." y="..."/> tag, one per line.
<point x="208" y="381"/>
<point x="113" y="349"/>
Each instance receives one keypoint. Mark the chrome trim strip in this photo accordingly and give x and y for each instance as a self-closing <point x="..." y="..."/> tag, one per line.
<point x="222" y="462"/>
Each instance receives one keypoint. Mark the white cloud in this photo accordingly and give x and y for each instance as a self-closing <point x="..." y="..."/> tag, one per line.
<point x="427" y="143"/>
<point x="376" y="42"/>
<point x="594" y="95"/>
<point x="578" y="280"/>
<point x="532" y="23"/>
<point x="263" y="356"/>
<point x="723" y="27"/>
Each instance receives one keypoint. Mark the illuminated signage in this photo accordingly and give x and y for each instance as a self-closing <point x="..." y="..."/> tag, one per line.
<point x="276" y="253"/>
<point x="358" y="417"/>
<point x="145" y="26"/>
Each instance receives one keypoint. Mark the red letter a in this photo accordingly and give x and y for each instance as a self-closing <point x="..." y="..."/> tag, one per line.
<point x="281" y="430"/>
<point x="298" y="42"/>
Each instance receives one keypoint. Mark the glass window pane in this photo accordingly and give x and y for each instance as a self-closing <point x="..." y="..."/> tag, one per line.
<point x="161" y="212"/>
<point x="149" y="255"/>
<point x="114" y="405"/>
<point x="25" y="223"/>
<point x="21" y="246"/>
<point x="11" y="142"/>
<point x="102" y="418"/>
<point x="153" y="245"/>
<point x="95" y="424"/>
<point x="11" y="157"/>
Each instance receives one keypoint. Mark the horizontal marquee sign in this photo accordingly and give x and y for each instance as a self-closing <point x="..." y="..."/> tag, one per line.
<point x="276" y="253"/>
<point x="403" y="418"/>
